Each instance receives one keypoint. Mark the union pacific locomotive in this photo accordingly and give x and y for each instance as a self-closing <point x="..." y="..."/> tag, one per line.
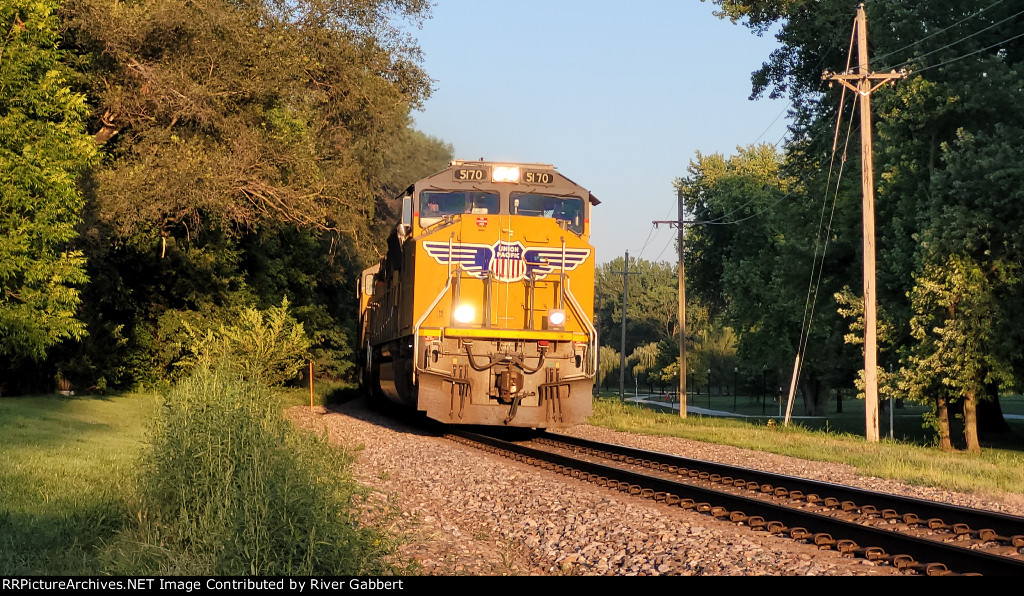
<point x="481" y="311"/>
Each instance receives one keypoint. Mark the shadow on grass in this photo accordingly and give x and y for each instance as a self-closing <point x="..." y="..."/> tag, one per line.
<point x="67" y="543"/>
<point x="341" y="395"/>
<point x="51" y="421"/>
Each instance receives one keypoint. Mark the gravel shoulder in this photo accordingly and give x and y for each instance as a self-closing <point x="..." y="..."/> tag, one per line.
<point x="464" y="512"/>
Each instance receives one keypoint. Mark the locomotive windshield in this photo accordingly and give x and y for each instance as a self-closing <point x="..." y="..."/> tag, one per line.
<point x="567" y="209"/>
<point x="436" y="204"/>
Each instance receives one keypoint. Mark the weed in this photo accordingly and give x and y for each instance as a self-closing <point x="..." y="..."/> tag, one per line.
<point x="231" y="488"/>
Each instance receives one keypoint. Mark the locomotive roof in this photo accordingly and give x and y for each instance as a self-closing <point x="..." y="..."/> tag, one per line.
<point x="535" y="166"/>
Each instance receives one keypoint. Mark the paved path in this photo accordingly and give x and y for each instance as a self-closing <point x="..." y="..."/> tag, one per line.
<point x="659" y="400"/>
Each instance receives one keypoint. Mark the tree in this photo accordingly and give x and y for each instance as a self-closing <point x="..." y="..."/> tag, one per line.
<point x="268" y="347"/>
<point x="609" y="365"/>
<point x="43" y="150"/>
<point x="754" y="260"/>
<point x="955" y="326"/>
<point x="652" y="305"/>
<point x="645" y="362"/>
<point x="250" y="149"/>
<point x="965" y="298"/>
<point x="233" y="114"/>
<point x="410" y="156"/>
<point x="946" y="141"/>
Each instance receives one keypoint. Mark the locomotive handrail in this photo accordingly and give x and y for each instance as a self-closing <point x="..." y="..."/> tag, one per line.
<point x="591" y="330"/>
<point x="561" y="278"/>
<point x="419" y="323"/>
<point x="385" y="325"/>
<point x="447" y="221"/>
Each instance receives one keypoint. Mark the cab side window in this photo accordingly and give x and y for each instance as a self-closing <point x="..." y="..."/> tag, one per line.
<point x="567" y="210"/>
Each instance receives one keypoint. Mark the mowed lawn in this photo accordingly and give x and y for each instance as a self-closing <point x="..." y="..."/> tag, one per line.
<point x="66" y="478"/>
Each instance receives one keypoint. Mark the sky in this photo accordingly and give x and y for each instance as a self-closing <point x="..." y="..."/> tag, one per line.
<point x="618" y="96"/>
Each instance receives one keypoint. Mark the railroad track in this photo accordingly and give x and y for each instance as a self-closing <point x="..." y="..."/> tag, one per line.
<point x="914" y="535"/>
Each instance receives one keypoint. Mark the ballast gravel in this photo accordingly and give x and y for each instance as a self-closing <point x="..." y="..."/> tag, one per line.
<point x="459" y="511"/>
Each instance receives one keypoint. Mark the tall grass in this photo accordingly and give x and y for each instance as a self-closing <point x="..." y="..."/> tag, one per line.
<point x="229" y="487"/>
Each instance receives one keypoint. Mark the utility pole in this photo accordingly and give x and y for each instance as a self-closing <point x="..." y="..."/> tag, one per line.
<point x="863" y="83"/>
<point x="681" y="232"/>
<point x="622" y="349"/>
<point x="680" y="226"/>
<point x="597" y="327"/>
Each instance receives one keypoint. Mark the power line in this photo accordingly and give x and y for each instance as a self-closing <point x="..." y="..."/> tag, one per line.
<point x="812" y="299"/>
<point x="649" y="234"/>
<point x="918" y="42"/>
<point x="769" y="127"/>
<point x="972" y="53"/>
<point x="864" y="86"/>
<point x="940" y="31"/>
<point x="963" y="39"/>
<point x="751" y="216"/>
<point x="663" y="250"/>
<point x="719" y="220"/>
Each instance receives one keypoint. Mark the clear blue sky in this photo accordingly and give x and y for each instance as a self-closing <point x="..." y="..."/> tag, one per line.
<point x="619" y="96"/>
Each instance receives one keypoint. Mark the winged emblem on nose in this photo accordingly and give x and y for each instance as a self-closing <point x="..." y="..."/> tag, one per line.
<point x="507" y="261"/>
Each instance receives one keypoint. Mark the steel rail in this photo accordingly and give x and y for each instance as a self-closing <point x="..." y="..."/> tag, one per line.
<point x="951" y="514"/>
<point x="800" y="524"/>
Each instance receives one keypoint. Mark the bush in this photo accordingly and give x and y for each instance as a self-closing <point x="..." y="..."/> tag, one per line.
<point x="267" y="347"/>
<point x="230" y="488"/>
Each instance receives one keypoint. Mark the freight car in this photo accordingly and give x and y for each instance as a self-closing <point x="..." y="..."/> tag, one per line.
<point x="481" y="310"/>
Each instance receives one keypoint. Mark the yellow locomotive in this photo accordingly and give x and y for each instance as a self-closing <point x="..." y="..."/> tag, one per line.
<point x="481" y="311"/>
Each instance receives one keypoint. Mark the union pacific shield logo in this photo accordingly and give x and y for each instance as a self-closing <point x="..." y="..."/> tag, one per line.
<point x="507" y="261"/>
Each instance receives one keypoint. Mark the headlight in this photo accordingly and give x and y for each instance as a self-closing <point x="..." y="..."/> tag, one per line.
<point x="464" y="313"/>
<point x="505" y="174"/>
<point x="556" y="319"/>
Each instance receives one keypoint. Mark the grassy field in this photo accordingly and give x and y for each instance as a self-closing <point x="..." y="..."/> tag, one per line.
<point x="69" y="481"/>
<point x="996" y="470"/>
<point x="67" y="478"/>
<point x="67" y="466"/>
<point x="905" y="424"/>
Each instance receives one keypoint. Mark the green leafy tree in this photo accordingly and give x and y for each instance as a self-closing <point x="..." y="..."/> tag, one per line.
<point x="955" y="326"/>
<point x="232" y="114"/>
<point x="652" y="305"/>
<point x="268" y="347"/>
<point x="609" y="362"/>
<point x="851" y="308"/>
<point x="657" y="363"/>
<point x="753" y="263"/>
<point x="947" y="139"/>
<point x="608" y="366"/>
<point x="644" y="361"/>
<point x="250" y="149"/>
<point x="652" y="323"/>
<point x="43" y="150"/>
